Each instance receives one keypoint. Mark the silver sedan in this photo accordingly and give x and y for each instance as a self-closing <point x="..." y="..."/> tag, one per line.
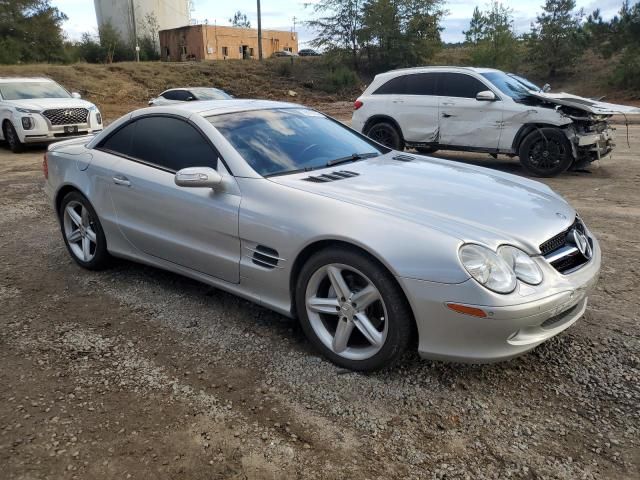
<point x="371" y="249"/>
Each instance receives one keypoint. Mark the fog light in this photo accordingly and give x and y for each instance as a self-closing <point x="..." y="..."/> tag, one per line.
<point x="99" y="118"/>
<point x="27" y="123"/>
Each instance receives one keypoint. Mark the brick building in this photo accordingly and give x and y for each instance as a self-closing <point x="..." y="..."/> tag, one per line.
<point x="210" y="42"/>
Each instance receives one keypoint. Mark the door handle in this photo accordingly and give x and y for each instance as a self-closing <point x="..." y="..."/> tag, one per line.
<point x="450" y="104"/>
<point x="120" y="180"/>
<point x="398" y="101"/>
<point x="446" y="115"/>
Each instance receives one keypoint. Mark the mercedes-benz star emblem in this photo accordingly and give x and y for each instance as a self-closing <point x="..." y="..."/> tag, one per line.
<point x="582" y="242"/>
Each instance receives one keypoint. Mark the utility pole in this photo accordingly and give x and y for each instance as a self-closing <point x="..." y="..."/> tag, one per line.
<point x="135" y="30"/>
<point x="294" y="24"/>
<point x="259" y="32"/>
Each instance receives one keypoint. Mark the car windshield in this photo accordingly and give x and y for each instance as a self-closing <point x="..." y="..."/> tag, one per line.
<point x="210" y="94"/>
<point x="527" y="83"/>
<point x="29" y="90"/>
<point x="288" y="140"/>
<point x="508" y="84"/>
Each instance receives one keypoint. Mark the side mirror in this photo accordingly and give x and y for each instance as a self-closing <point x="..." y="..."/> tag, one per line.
<point x="190" y="99"/>
<point x="486" y="96"/>
<point x="546" y="88"/>
<point x="200" y="177"/>
<point x="75" y="95"/>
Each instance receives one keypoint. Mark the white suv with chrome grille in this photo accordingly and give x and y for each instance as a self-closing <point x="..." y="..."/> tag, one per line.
<point x="38" y="110"/>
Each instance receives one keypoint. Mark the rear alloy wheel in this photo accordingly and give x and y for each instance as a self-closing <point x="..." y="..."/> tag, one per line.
<point x="352" y="310"/>
<point x="546" y="152"/>
<point x="386" y="134"/>
<point x="83" y="232"/>
<point x="11" y="136"/>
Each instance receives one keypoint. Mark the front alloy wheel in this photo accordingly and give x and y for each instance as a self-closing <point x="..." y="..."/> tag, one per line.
<point x="352" y="310"/>
<point x="546" y="152"/>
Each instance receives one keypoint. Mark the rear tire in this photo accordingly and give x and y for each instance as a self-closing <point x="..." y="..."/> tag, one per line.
<point x="11" y="136"/>
<point x="352" y="310"/>
<point x="82" y="232"/>
<point x="546" y="152"/>
<point x="387" y="134"/>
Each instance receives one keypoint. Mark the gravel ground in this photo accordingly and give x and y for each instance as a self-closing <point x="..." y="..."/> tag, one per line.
<point x="138" y="373"/>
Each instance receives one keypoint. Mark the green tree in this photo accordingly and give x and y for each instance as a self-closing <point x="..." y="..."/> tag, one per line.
<point x="556" y="42"/>
<point x="400" y="32"/>
<point x="31" y="31"/>
<point x="337" y="25"/>
<point x="619" y="38"/>
<point x="475" y="34"/>
<point x="492" y="38"/>
<point x="240" y="20"/>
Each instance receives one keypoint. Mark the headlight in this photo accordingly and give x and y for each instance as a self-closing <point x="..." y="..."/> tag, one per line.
<point x="92" y="108"/>
<point x="26" y="110"/>
<point x="522" y="264"/>
<point x="488" y="268"/>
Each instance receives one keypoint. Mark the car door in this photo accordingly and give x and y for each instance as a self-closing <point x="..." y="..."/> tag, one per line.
<point x="416" y="109"/>
<point x="196" y="228"/>
<point x="465" y="121"/>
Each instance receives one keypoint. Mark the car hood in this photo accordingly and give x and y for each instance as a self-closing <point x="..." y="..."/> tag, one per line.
<point x="586" y="104"/>
<point x="47" y="103"/>
<point x="473" y="204"/>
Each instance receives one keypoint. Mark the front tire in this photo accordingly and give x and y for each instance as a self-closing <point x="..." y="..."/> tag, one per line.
<point x="352" y="311"/>
<point x="11" y="136"/>
<point x="546" y="152"/>
<point x="82" y="232"/>
<point x="387" y="134"/>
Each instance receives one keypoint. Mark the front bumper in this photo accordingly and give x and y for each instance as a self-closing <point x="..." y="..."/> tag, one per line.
<point x="594" y="146"/>
<point x="44" y="132"/>
<point x="515" y="324"/>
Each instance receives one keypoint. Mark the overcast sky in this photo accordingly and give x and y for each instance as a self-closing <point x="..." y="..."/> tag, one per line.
<point x="278" y="14"/>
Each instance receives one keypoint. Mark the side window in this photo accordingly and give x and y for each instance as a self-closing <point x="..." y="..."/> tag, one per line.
<point x="181" y="95"/>
<point x="171" y="144"/>
<point x="459" y="85"/>
<point x="421" y="84"/>
<point x="394" y="86"/>
<point x="120" y="142"/>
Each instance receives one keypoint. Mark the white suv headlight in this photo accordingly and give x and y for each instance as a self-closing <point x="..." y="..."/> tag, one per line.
<point x="522" y="264"/>
<point x="488" y="268"/>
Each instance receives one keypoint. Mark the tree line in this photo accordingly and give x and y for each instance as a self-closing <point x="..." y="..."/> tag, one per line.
<point x="370" y="36"/>
<point x="377" y="35"/>
<point x="31" y="32"/>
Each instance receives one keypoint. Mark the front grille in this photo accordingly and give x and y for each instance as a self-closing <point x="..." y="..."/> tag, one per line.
<point x="561" y="251"/>
<point x="67" y="116"/>
<point x="560" y="240"/>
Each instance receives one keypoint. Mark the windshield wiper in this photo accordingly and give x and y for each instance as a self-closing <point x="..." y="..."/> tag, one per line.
<point x="351" y="158"/>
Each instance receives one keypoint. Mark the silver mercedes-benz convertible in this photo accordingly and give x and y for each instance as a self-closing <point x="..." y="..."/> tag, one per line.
<point x="373" y="250"/>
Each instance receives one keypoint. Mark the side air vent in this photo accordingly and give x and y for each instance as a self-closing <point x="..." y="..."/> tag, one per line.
<point x="265" y="257"/>
<point x="404" y="158"/>
<point x="331" y="177"/>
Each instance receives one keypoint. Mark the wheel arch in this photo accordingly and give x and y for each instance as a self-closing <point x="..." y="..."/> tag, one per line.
<point x="63" y="192"/>
<point x="319" y="245"/>
<point x="528" y="128"/>
<point x="371" y="121"/>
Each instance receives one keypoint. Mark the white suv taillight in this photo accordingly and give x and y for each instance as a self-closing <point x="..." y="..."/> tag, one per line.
<point x="357" y="104"/>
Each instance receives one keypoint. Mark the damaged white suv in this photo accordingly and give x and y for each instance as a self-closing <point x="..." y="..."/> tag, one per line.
<point x="485" y="110"/>
<point x="38" y="110"/>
